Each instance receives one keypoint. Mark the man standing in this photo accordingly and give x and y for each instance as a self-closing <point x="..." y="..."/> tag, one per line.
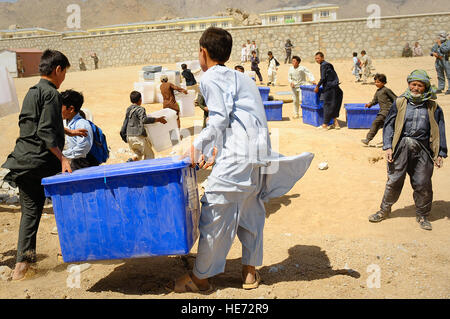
<point x="288" y="48"/>
<point x="441" y="51"/>
<point x="332" y="94"/>
<point x="95" y="58"/>
<point x="414" y="140"/>
<point x="20" y="68"/>
<point x="298" y="75"/>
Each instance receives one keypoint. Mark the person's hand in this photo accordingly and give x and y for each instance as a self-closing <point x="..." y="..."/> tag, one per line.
<point x="185" y="91"/>
<point x="314" y="83"/>
<point x="316" y="90"/>
<point x="162" y="120"/>
<point x="79" y="132"/>
<point x="292" y="85"/>
<point x="210" y="162"/>
<point x="65" y="165"/>
<point x="389" y="157"/>
<point x="368" y="106"/>
<point x="439" y="162"/>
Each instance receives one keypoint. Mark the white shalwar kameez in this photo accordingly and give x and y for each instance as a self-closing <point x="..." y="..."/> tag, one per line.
<point x="246" y="173"/>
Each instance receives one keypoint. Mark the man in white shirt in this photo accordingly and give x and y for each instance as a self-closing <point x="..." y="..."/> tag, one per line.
<point x="298" y="75"/>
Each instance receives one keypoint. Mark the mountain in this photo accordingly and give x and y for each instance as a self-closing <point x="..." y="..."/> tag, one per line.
<point x="51" y="14"/>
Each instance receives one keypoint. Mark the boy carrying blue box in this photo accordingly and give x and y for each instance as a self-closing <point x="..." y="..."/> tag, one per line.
<point x="246" y="172"/>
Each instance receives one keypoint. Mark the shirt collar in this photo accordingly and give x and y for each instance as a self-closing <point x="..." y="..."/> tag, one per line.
<point x="75" y="118"/>
<point x="45" y="81"/>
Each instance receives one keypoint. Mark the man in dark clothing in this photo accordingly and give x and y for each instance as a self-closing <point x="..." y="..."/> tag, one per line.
<point x="414" y="139"/>
<point x="255" y="66"/>
<point x="188" y="76"/>
<point x="384" y="97"/>
<point x="288" y="48"/>
<point x="38" y="152"/>
<point x="200" y="102"/>
<point x="95" y="58"/>
<point x="332" y="94"/>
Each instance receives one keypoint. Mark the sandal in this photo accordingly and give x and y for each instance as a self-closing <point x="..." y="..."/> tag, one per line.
<point x="253" y="285"/>
<point x="186" y="284"/>
<point x="378" y="217"/>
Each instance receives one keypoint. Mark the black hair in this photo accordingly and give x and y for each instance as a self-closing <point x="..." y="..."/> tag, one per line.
<point x="363" y="52"/>
<point x="135" y="97"/>
<point x="184" y="66"/>
<point x="355" y="54"/>
<point x="297" y="58"/>
<point x="50" y="60"/>
<point x="239" y="67"/>
<point x="72" y="98"/>
<point x="254" y="52"/>
<point x="218" y="42"/>
<point x="320" y="53"/>
<point x="270" y="53"/>
<point x="380" y="77"/>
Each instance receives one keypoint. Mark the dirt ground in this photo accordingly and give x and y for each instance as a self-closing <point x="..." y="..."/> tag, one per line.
<point x="318" y="242"/>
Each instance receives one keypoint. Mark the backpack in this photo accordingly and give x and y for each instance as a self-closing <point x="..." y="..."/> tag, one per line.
<point x="99" y="152"/>
<point x="277" y="63"/>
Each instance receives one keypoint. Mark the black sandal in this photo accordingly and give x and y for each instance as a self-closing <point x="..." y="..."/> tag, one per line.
<point x="378" y="217"/>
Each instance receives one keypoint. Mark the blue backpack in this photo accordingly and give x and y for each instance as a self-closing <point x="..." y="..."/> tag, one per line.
<point x="99" y="150"/>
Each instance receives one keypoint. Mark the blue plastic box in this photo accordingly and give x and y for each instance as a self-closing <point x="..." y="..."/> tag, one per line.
<point x="130" y="210"/>
<point x="274" y="110"/>
<point x="309" y="97"/>
<point x="313" y="115"/>
<point x="264" y="91"/>
<point x="360" y="117"/>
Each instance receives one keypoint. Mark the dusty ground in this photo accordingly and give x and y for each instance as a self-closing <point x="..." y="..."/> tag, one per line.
<point x="318" y="241"/>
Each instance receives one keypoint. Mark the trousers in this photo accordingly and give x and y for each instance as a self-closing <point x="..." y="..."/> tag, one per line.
<point x="410" y="158"/>
<point x="443" y="70"/>
<point x="377" y="124"/>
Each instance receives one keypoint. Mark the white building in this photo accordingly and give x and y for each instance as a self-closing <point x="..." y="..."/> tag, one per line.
<point x="312" y="13"/>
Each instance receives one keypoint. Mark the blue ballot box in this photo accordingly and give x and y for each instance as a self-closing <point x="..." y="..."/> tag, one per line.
<point x="130" y="210"/>
<point x="274" y="110"/>
<point x="264" y="92"/>
<point x="309" y="97"/>
<point x="360" y="117"/>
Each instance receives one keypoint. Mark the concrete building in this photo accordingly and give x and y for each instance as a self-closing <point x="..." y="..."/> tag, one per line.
<point x="312" y="13"/>
<point x="25" y="33"/>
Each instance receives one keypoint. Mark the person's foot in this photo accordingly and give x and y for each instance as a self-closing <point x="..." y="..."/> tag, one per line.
<point x="250" y="277"/>
<point x="20" y="270"/>
<point x="365" y="141"/>
<point x="323" y="128"/>
<point x="378" y="217"/>
<point x="424" y="222"/>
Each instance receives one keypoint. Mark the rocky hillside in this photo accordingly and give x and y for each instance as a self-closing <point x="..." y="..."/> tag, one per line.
<point x="53" y="15"/>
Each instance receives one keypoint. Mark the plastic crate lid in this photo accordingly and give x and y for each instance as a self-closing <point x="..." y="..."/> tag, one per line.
<point x="272" y="103"/>
<point x="104" y="171"/>
<point x="311" y="107"/>
<point x="360" y="106"/>
<point x="264" y="88"/>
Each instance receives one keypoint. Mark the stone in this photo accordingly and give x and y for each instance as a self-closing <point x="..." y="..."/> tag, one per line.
<point x="5" y="273"/>
<point x="323" y="166"/>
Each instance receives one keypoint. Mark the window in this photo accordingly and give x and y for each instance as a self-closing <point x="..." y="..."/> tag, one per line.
<point x="192" y="27"/>
<point x="214" y="25"/>
<point x="224" y="24"/>
<point x="273" y="19"/>
<point x="202" y="26"/>
<point x="324" y="14"/>
<point x="289" y="19"/>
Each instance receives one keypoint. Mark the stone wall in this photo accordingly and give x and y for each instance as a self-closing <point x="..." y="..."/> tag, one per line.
<point x="337" y="39"/>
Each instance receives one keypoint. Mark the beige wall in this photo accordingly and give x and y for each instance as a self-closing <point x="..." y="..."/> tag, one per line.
<point x="337" y="39"/>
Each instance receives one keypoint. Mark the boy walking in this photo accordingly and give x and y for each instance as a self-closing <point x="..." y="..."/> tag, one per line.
<point x="255" y="66"/>
<point x="272" y="70"/>
<point x="245" y="173"/>
<point x="385" y="97"/>
<point x="188" y="76"/>
<point x="133" y="130"/>
<point x="169" y="101"/>
<point x="38" y="153"/>
<point x="414" y="140"/>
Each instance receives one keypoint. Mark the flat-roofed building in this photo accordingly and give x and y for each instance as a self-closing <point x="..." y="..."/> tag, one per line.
<point x="25" y="33"/>
<point x="312" y="13"/>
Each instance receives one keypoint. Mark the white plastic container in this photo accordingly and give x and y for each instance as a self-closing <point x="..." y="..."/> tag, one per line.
<point x="163" y="136"/>
<point x="141" y="76"/>
<point x="186" y="102"/>
<point x="147" y="90"/>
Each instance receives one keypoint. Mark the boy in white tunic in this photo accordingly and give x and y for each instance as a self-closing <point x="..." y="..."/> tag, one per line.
<point x="298" y="75"/>
<point x="246" y="172"/>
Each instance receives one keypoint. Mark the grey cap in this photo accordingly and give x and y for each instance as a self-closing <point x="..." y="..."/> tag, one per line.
<point x="443" y="35"/>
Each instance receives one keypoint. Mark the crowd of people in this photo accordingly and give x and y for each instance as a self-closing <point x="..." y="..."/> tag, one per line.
<point x="233" y="204"/>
